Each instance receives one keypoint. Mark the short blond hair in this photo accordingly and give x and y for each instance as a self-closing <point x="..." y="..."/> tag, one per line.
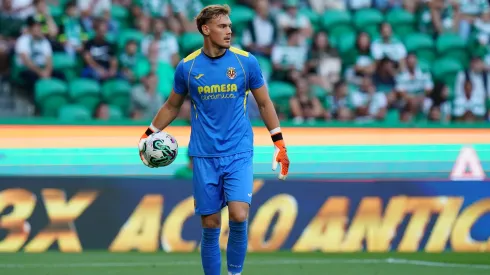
<point x="211" y="12"/>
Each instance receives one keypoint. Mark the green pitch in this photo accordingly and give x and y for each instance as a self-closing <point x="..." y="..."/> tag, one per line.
<point x="277" y="263"/>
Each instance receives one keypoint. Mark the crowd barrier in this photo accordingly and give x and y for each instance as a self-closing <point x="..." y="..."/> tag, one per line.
<point x="72" y="214"/>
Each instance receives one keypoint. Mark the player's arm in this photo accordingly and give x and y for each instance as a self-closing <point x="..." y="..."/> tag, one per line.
<point x="169" y="110"/>
<point x="269" y="116"/>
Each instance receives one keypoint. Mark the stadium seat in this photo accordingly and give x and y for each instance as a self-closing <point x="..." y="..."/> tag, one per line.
<point x="128" y="34"/>
<point x="121" y="15"/>
<point x="451" y="45"/>
<point x="402" y="22"/>
<point x="74" y="112"/>
<point x="240" y="16"/>
<point x="117" y="92"/>
<point x="115" y="113"/>
<point x="318" y="92"/>
<point x="337" y="23"/>
<point x="189" y="42"/>
<point x="446" y="70"/>
<point x="165" y="73"/>
<point x="280" y="93"/>
<point x="218" y="2"/>
<point x="313" y="16"/>
<point x="85" y="92"/>
<point x="50" y="95"/>
<point x="346" y="47"/>
<point x="66" y="63"/>
<point x="368" y="20"/>
<point x="266" y="66"/>
<point x="422" y="45"/>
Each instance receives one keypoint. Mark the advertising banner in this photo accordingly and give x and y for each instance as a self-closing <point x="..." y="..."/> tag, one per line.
<point x="150" y="214"/>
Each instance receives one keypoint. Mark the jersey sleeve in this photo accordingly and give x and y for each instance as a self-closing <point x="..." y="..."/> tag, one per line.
<point x="179" y="79"/>
<point x="256" y="79"/>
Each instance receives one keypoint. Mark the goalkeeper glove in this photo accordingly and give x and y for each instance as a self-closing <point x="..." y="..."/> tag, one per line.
<point x="142" y="144"/>
<point x="280" y="154"/>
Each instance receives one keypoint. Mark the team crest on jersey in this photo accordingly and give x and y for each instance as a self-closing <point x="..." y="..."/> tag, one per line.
<point x="231" y="73"/>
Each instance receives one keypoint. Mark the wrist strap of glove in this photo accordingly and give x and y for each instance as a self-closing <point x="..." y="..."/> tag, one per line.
<point x="151" y="129"/>
<point x="277" y="138"/>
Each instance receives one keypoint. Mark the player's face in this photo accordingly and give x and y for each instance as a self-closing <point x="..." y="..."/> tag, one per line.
<point x="220" y="31"/>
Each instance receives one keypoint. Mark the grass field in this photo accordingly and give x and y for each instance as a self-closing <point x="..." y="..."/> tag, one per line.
<point x="278" y="263"/>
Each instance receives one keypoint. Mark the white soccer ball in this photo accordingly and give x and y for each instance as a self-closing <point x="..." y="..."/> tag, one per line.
<point x="160" y="149"/>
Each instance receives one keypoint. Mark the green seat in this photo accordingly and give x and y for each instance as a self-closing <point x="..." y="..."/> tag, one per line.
<point x="120" y="14"/>
<point x="451" y="45"/>
<point x="56" y="12"/>
<point x="265" y="65"/>
<point x="74" y="112"/>
<point x="422" y="45"/>
<point x="117" y="92"/>
<point x="240" y="16"/>
<point x="446" y="70"/>
<point x="368" y="20"/>
<point x="50" y="95"/>
<point x="336" y="23"/>
<point x="402" y="22"/>
<point x="85" y="92"/>
<point x="115" y="113"/>
<point x="128" y="34"/>
<point x="189" y="42"/>
<point x="319" y="92"/>
<point x="312" y="16"/>
<point x="165" y="74"/>
<point x="346" y="48"/>
<point x="280" y="93"/>
<point x="65" y="63"/>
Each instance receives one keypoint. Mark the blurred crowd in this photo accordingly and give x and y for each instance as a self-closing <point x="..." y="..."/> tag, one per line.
<point x="378" y="78"/>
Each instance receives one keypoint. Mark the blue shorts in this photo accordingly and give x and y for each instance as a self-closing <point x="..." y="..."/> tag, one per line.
<point x="219" y="180"/>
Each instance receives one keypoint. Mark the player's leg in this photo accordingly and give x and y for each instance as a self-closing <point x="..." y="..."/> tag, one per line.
<point x="238" y="186"/>
<point x="209" y="200"/>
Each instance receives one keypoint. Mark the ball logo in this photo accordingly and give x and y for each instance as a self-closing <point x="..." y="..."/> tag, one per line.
<point x="231" y="73"/>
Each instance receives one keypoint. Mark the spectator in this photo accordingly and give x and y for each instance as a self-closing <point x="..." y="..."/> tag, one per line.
<point x="339" y="104"/>
<point x="261" y="32"/>
<point x="168" y="47"/>
<point x="438" y="16"/>
<point x="368" y="103"/>
<point x="388" y="46"/>
<point x="146" y="100"/>
<point x="128" y="60"/>
<point x="151" y="8"/>
<point x="364" y="63"/>
<point x="470" y="10"/>
<point x="49" y="27"/>
<point x="97" y="9"/>
<point x="358" y="4"/>
<point x="385" y="5"/>
<point x="412" y="86"/>
<point x="482" y="27"/>
<point x="143" y="24"/>
<point x="21" y="9"/>
<point x="11" y="26"/>
<point x="291" y="18"/>
<point x="320" y="6"/>
<point x="324" y="64"/>
<point x="304" y="105"/>
<point x="289" y="60"/>
<point x="437" y="106"/>
<point x="72" y="35"/>
<point x="476" y="74"/>
<point x="99" y="55"/>
<point x="470" y="106"/>
<point x="384" y="77"/>
<point x="34" y="55"/>
<point x="101" y="111"/>
<point x="184" y="12"/>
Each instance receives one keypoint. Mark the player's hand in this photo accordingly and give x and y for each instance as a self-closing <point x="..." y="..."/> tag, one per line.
<point x="142" y="145"/>
<point x="280" y="156"/>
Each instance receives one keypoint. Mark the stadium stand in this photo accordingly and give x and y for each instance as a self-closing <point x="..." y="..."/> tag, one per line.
<point x="364" y="61"/>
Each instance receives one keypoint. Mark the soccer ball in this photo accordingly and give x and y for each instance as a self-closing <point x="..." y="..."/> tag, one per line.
<point x="160" y="149"/>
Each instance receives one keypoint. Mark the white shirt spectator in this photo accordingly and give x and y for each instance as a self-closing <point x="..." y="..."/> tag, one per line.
<point x="190" y="8"/>
<point x="419" y="82"/>
<point x="98" y="9"/>
<point x="376" y="102"/>
<point x="167" y="46"/>
<point x="476" y="79"/>
<point x="26" y="6"/>
<point x="264" y="33"/>
<point x="359" y="4"/>
<point x="394" y="49"/>
<point x="37" y="50"/>
<point x="474" y="104"/>
<point x="285" y="20"/>
<point x="289" y="55"/>
<point x="473" y="7"/>
<point x="321" y="6"/>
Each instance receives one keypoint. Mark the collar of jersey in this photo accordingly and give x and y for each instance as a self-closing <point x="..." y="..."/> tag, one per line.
<point x="214" y="58"/>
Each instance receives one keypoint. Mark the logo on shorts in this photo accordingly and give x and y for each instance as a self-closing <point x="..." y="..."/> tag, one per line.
<point x="231" y="73"/>
<point x="250" y="194"/>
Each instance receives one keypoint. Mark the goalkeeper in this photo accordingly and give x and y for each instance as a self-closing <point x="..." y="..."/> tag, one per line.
<point x="218" y="78"/>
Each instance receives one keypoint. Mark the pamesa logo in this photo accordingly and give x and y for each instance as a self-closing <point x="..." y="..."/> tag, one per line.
<point x="223" y="91"/>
